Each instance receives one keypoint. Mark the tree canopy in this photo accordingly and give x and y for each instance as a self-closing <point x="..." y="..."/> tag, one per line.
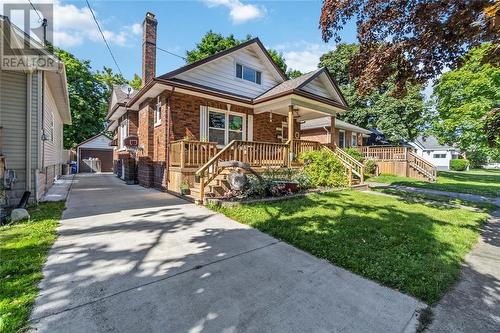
<point x="419" y="38"/>
<point x="212" y="43"/>
<point x="89" y="93"/>
<point x="466" y="99"/>
<point x="402" y="118"/>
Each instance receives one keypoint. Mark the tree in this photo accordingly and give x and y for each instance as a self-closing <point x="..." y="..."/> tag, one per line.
<point x="87" y="98"/>
<point x="89" y="93"/>
<point x="212" y="43"/>
<point x="398" y="117"/>
<point x="465" y="101"/>
<point x="419" y="38"/>
<point x="136" y="82"/>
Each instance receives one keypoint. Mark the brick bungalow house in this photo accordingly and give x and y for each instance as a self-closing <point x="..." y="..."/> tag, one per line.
<point x="234" y="105"/>
<point x="344" y="134"/>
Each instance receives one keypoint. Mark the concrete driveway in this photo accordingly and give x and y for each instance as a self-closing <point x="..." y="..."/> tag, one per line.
<point x="130" y="259"/>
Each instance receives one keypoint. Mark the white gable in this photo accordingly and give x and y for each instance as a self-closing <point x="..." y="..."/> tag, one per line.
<point x="101" y="142"/>
<point x="220" y="73"/>
<point x="323" y="87"/>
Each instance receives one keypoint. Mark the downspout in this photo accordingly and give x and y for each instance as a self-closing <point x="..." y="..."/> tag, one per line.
<point x="167" y="153"/>
<point x="29" y="85"/>
<point x="328" y="134"/>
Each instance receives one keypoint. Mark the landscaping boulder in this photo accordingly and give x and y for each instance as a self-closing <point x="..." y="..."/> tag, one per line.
<point x="19" y="214"/>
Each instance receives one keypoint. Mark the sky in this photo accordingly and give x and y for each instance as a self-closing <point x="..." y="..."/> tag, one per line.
<point x="290" y="27"/>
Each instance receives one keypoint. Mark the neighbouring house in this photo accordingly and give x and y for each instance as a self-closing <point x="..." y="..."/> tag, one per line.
<point x="95" y="154"/>
<point x="183" y="127"/>
<point x="432" y="151"/>
<point x="34" y="105"/>
<point x="344" y="135"/>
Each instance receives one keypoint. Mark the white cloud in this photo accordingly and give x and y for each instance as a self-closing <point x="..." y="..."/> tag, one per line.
<point x="302" y="55"/>
<point x="74" y="26"/>
<point x="238" y="11"/>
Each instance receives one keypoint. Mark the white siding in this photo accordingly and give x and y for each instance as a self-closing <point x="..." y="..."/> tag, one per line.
<point x="101" y="142"/>
<point x="221" y="74"/>
<point x="13" y="121"/>
<point x="53" y="146"/>
<point x="321" y="86"/>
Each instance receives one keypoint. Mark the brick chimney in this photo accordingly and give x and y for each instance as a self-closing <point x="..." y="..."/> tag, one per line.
<point x="149" y="48"/>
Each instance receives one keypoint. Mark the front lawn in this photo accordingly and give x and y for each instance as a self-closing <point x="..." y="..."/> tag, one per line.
<point x="414" y="247"/>
<point x="481" y="182"/>
<point x="23" y="250"/>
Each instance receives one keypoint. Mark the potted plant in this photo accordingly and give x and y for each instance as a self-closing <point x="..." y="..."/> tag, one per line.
<point x="185" y="190"/>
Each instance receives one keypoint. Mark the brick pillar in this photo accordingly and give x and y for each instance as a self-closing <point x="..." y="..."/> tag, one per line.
<point x="145" y="169"/>
<point x="149" y="48"/>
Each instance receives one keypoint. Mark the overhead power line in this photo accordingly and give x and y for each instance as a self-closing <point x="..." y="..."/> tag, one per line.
<point x="103" y="38"/>
<point x="36" y="11"/>
<point x="171" y="53"/>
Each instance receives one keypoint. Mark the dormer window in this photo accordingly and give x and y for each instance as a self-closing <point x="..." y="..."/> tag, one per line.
<point x="248" y="73"/>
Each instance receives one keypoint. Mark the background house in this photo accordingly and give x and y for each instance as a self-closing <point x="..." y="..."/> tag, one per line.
<point x="97" y="148"/>
<point x="432" y="151"/>
<point x="34" y="105"/>
<point x="345" y="134"/>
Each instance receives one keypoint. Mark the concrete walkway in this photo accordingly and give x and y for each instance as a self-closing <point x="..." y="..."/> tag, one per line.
<point x="463" y="196"/>
<point x="473" y="305"/>
<point x="130" y="259"/>
<point x="59" y="190"/>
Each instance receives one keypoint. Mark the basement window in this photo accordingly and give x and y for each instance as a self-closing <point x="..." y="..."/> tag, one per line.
<point x="248" y="74"/>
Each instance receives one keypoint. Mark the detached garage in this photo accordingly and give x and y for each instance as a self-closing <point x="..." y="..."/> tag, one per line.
<point x="95" y="155"/>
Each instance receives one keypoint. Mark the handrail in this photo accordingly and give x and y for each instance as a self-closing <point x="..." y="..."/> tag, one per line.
<point x="424" y="166"/>
<point x="215" y="158"/>
<point x="356" y="167"/>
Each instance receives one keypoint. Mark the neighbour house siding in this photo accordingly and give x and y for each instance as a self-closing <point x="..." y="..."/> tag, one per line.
<point x="13" y="121"/>
<point x="221" y="74"/>
<point x="35" y="124"/>
<point x="53" y="146"/>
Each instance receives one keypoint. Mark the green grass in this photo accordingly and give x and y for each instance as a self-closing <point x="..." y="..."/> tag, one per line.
<point x="481" y="182"/>
<point x="413" y="196"/>
<point x="416" y="248"/>
<point x="23" y="250"/>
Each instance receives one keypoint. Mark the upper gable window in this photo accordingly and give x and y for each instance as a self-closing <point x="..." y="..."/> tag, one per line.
<point x="248" y="73"/>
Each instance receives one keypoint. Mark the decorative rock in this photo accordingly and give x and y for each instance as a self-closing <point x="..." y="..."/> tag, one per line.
<point x="19" y="214"/>
<point x="237" y="180"/>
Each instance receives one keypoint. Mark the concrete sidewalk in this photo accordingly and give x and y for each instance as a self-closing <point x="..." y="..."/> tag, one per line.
<point x="59" y="190"/>
<point x="130" y="259"/>
<point x="473" y="305"/>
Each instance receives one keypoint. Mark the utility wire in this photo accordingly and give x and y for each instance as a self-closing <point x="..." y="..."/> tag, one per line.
<point x="171" y="53"/>
<point x="104" y="38"/>
<point x="36" y="11"/>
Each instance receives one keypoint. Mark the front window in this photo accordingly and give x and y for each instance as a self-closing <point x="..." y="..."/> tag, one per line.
<point x="217" y="127"/>
<point x="248" y="73"/>
<point x="354" y="140"/>
<point x="439" y="156"/>
<point x="341" y="139"/>
<point x="224" y="127"/>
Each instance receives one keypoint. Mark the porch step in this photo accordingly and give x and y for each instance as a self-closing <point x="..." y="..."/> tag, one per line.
<point x="360" y="187"/>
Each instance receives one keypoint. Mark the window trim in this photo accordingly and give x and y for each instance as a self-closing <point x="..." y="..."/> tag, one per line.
<point x="239" y="63"/>
<point x="226" y="124"/>
<point x="354" y="139"/>
<point x="123" y="128"/>
<point x="439" y="156"/>
<point x="157" y="112"/>
<point x="343" y="141"/>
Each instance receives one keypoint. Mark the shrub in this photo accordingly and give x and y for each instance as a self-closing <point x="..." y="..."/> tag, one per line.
<point x="304" y="181"/>
<point x="459" y="165"/>
<point x="354" y="153"/>
<point x="370" y="167"/>
<point x="324" y="169"/>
